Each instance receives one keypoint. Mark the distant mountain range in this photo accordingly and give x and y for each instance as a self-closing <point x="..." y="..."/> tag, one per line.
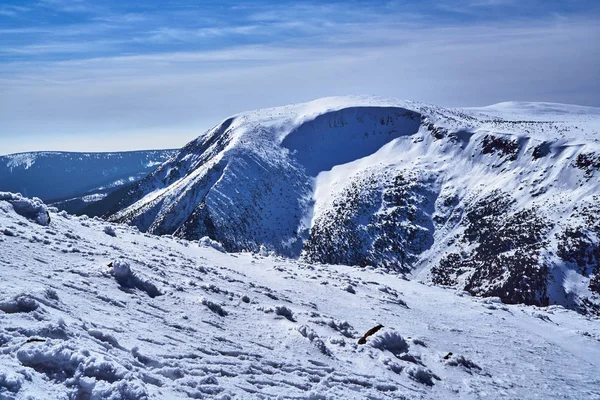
<point x="73" y="181"/>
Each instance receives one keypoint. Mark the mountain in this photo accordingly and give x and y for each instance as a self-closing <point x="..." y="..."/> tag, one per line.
<point x="92" y="310"/>
<point x="498" y="201"/>
<point x="75" y="180"/>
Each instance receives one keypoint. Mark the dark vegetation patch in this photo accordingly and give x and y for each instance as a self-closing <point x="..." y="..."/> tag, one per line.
<point x="435" y="131"/>
<point x="379" y="221"/>
<point x="579" y="245"/>
<point x="499" y="145"/>
<point x="541" y="150"/>
<point x="588" y="162"/>
<point x="499" y="252"/>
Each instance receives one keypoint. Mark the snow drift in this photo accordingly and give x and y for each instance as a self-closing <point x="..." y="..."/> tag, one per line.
<point x="33" y="209"/>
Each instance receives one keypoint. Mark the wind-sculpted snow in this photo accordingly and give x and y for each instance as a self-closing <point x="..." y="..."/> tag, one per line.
<point x="33" y="209"/>
<point x="77" y="322"/>
<point x="400" y="185"/>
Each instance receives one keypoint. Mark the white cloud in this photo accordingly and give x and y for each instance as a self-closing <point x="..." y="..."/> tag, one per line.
<point x="178" y="95"/>
<point x="70" y="6"/>
<point x="12" y="11"/>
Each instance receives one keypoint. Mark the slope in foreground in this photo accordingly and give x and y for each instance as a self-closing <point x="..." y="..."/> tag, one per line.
<point x="100" y="311"/>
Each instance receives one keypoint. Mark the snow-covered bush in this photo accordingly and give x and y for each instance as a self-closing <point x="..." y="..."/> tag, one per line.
<point x="121" y="270"/>
<point x="8" y="232"/>
<point x="50" y="293"/>
<point x="421" y="375"/>
<point x="458" y="360"/>
<point x="90" y="375"/>
<point x="263" y="251"/>
<point x="110" y="231"/>
<point x="285" y="312"/>
<point x="308" y="332"/>
<point x="392" y="365"/>
<point x="9" y="381"/>
<point x="342" y="327"/>
<point x="104" y="337"/>
<point x="312" y="336"/>
<point x="123" y="389"/>
<point x="57" y="361"/>
<point x="21" y="303"/>
<point x="419" y="342"/>
<point x="33" y="209"/>
<point x="391" y="341"/>
<point x="208" y="242"/>
<point x="214" y="307"/>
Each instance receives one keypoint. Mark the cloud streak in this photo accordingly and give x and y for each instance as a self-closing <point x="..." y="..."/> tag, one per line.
<point x="102" y="90"/>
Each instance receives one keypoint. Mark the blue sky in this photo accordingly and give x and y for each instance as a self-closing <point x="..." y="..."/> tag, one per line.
<point x="108" y="75"/>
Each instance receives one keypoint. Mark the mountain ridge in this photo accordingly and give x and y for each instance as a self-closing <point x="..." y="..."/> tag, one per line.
<point x="73" y="180"/>
<point x="427" y="191"/>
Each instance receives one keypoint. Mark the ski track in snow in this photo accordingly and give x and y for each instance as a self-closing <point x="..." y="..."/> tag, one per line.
<point x="173" y="319"/>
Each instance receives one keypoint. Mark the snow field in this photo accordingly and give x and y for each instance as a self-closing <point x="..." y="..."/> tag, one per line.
<point x="84" y="314"/>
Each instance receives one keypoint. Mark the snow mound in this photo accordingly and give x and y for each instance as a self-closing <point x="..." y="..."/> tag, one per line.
<point x="121" y="270"/>
<point x="33" y="209"/>
<point x="389" y="340"/>
<point x="421" y="375"/>
<point x="208" y="242"/>
<point x="22" y="303"/>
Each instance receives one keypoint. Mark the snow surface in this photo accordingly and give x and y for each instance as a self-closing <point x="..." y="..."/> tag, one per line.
<point x="135" y="316"/>
<point x="566" y="121"/>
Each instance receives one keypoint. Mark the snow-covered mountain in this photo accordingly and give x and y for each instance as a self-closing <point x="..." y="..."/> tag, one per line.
<point x="75" y="179"/>
<point x="499" y="201"/>
<point x="92" y="310"/>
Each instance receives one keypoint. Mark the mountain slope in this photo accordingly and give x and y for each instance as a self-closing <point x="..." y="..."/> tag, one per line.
<point x="92" y="310"/>
<point x="54" y="176"/>
<point x="463" y="197"/>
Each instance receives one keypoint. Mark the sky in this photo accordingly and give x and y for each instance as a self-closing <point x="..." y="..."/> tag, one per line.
<point x="107" y="75"/>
